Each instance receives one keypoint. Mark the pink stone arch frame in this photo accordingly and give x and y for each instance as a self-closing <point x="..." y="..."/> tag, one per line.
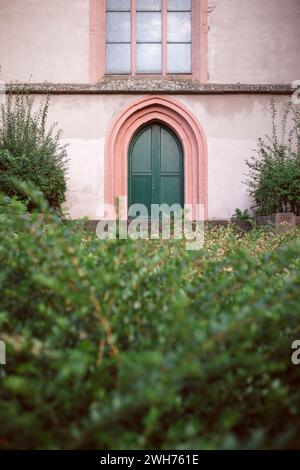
<point x="199" y="39"/>
<point x="172" y="113"/>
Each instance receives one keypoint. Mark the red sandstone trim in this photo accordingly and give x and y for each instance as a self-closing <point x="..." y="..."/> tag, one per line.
<point x="200" y="40"/>
<point x="96" y="39"/>
<point x="188" y="130"/>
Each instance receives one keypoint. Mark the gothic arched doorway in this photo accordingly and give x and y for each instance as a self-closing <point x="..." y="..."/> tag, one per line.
<point x="173" y="115"/>
<point x="155" y="167"/>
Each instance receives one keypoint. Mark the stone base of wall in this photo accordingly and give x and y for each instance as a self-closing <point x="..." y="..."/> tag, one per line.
<point x="283" y="221"/>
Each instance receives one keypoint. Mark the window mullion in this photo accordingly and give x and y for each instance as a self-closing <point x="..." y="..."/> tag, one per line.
<point x="133" y="37"/>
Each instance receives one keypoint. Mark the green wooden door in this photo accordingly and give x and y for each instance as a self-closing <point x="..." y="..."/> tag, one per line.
<point x="155" y="168"/>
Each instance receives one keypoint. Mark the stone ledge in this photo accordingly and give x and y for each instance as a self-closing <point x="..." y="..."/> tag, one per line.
<point x="149" y="86"/>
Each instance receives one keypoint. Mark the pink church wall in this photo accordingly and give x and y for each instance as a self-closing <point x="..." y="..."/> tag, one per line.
<point x="254" y="41"/>
<point x="44" y="40"/>
<point x="249" y="41"/>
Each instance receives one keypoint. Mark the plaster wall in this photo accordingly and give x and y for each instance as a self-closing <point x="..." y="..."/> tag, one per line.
<point x="44" y="40"/>
<point x="254" y="41"/>
<point x="249" y="41"/>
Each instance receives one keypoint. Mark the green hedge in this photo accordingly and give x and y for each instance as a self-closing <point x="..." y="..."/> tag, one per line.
<point x="121" y="344"/>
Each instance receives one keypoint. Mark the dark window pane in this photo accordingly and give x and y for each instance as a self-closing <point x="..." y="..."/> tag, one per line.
<point x="118" y="58"/>
<point x="148" y="58"/>
<point x="149" y="27"/>
<point x="179" y="27"/>
<point x="118" y="5"/>
<point x="179" y="5"/>
<point x="148" y="5"/>
<point x="118" y="27"/>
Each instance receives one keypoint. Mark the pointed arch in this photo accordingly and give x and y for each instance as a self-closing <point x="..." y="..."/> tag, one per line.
<point x="170" y="112"/>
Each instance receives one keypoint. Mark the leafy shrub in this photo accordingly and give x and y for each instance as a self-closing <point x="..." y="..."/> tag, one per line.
<point x="30" y="152"/>
<point x="242" y="215"/>
<point x="122" y="344"/>
<point x="274" y="181"/>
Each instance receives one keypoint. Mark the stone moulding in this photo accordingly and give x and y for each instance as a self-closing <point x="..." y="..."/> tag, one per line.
<point x="149" y="86"/>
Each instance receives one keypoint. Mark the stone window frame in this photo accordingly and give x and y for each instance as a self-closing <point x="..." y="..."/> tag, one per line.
<point x="97" y="16"/>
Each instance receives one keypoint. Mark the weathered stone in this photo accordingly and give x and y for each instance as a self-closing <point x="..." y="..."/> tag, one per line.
<point x="150" y="85"/>
<point x="282" y="221"/>
<point x="285" y="218"/>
